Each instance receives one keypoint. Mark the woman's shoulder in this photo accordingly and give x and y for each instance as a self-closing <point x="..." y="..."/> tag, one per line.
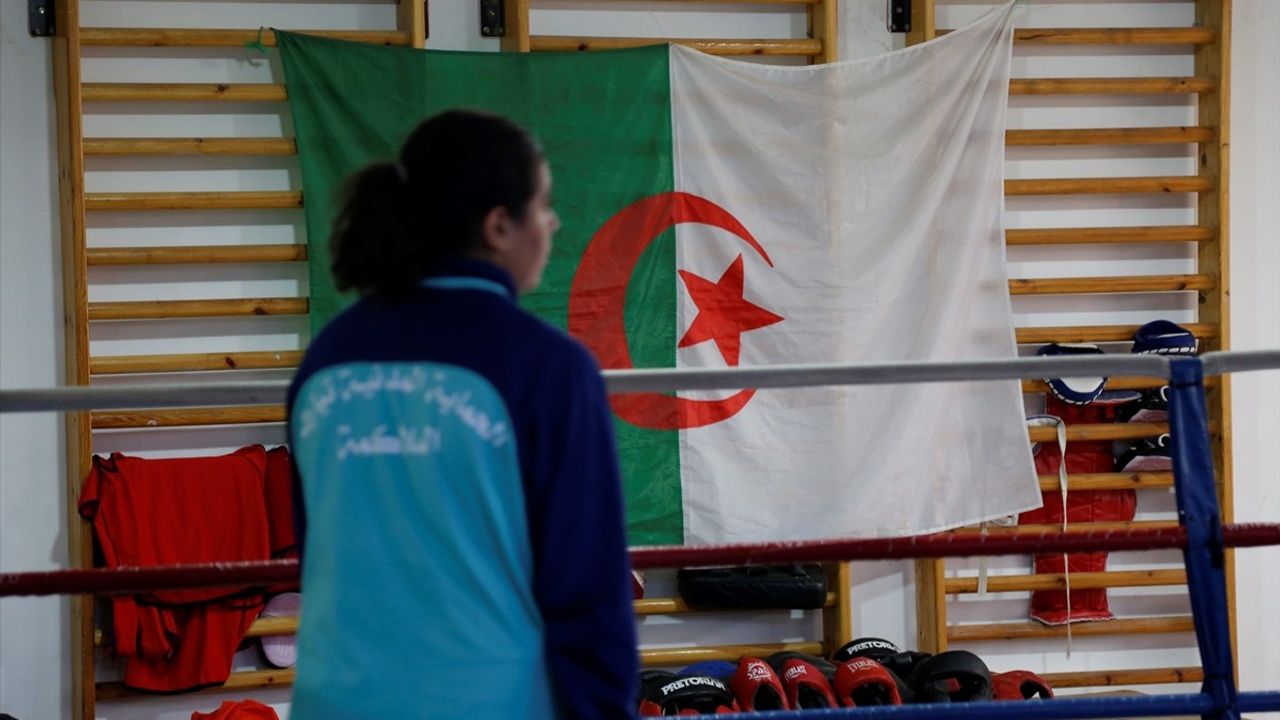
<point x="556" y="345"/>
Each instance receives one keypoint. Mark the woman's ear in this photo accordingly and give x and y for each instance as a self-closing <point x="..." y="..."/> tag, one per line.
<point x="495" y="231"/>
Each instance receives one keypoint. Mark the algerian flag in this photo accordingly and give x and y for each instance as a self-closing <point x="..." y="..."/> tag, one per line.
<point x="721" y="213"/>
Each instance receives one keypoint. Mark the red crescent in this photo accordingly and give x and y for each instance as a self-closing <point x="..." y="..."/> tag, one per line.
<point x="597" y="298"/>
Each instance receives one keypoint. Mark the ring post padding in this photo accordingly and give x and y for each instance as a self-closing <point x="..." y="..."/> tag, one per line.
<point x="1198" y="512"/>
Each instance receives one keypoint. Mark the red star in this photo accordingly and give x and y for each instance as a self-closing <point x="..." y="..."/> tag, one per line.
<point x="723" y="314"/>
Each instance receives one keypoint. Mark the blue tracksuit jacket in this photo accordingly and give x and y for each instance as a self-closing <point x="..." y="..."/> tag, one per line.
<point x="460" y="515"/>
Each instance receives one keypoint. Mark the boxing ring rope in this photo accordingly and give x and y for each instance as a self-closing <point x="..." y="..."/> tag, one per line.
<point x="272" y="392"/>
<point x="137" y="579"/>
<point x="1201" y="535"/>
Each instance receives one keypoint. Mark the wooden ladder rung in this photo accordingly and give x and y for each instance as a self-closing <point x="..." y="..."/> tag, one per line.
<point x="1108" y="186"/>
<point x="677" y="606"/>
<point x="219" y="200"/>
<point x="1111" y="86"/>
<point x="1119" y="626"/>
<point x="275" y="92"/>
<point x="292" y="199"/>
<point x="1098" y="333"/>
<point x="1113" y="383"/>
<point x="1080" y="527"/>
<point x="1109" y="136"/>
<point x="236" y="681"/>
<point x="1111" y="36"/>
<point x="1108" y="481"/>
<point x="288" y="146"/>
<point x="648" y="658"/>
<point x="680" y="656"/>
<point x="1120" y="284"/>
<point x="237" y="38"/>
<point x="190" y="146"/>
<point x="1057" y="581"/>
<point x="808" y="47"/>
<point x="181" y="255"/>
<point x="194" y="362"/>
<point x="174" y="309"/>
<point x="182" y="92"/>
<point x="1083" y="236"/>
<point x="263" y="626"/>
<point x="187" y="417"/>
<point x="1077" y="432"/>
<point x="1143" y="676"/>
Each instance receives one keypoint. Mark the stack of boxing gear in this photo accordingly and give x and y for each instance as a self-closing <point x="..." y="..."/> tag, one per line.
<point x="864" y="672"/>
<point x="1086" y="401"/>
<point x="873" y="671"/>
<point x="1077" y="401"/>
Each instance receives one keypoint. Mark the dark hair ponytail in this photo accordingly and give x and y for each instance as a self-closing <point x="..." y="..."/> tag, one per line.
<point x="401" y="219"/>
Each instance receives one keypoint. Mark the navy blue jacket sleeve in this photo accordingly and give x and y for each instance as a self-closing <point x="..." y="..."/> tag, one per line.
<point x="582" y="574"/>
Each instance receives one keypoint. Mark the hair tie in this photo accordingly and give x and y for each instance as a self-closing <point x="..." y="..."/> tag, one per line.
<point x="402" y="172"/>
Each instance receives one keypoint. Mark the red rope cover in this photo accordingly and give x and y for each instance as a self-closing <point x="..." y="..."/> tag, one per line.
<point x="958" y="544"/>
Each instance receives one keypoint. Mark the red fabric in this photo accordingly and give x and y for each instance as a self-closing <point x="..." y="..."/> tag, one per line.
<point x="1050" y="606"/>
<point x="242" y="710"/>
<point x="204" y="645"/>
<point x="278" y="489"/>
<point x="165" y="512"/>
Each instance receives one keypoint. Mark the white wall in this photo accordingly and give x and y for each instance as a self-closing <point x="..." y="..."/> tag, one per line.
<point x="33" y="633"/>
<point x="1255" y="325"/>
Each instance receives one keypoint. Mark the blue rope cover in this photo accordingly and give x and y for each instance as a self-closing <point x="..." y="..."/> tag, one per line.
<point x="1059" y="708"/>
<point x="1198" y="512"/>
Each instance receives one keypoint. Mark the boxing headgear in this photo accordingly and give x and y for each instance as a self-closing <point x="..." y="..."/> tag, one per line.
<point x="1019" y="685"/>
<point x="694" y="695"/>
<point x="1075" y="390"/>
<point x="1163" y="337"/>
<point x="952" y="676"/>
<point x="904" y="663"/>
<point x="862" y="681"/>
<point x="757" y="687"/>
<point x="869" y="647"/>
<point x="806" y="685"/>
<point x="780" y="658"/>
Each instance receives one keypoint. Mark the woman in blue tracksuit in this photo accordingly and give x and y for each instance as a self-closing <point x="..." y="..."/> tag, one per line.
<point x="459" y="501"/>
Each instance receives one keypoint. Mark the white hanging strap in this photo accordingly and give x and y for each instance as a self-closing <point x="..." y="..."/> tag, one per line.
<point x="982" y="564"/>
<point x="1062" y="490"/>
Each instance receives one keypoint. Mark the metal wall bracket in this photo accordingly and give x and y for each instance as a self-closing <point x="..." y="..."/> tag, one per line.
<point x="898" y="15"/>
<point x="40" y="18"/>
<point x="493" y="19"/>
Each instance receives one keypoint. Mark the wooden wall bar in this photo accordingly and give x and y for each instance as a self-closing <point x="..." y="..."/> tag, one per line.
<point x="75" y="295"/>
<point x="1208" y="40"/>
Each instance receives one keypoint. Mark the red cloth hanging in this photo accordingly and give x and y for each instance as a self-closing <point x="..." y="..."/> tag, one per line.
<point x="1050" y="606"/>
<point x="171" y="511"/>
